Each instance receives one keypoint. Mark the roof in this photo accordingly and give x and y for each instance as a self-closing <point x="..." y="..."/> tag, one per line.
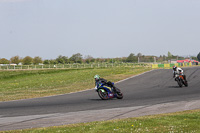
<point x="186" y="60"/>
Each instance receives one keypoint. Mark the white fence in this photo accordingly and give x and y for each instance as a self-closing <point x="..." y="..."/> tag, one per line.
<point x="71" y="66"/>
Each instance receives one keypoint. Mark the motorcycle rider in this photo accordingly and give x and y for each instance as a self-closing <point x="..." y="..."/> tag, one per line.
<point x="99" y="80"/>
<point x="178" y="70"/>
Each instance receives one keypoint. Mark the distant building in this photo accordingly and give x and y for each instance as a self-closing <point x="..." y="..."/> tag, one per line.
<point x="173" y="61"/>
<point x="13" y="64"/>
<point x="188" y="61"/>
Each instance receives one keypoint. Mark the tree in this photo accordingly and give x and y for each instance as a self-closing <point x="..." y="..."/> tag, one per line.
<point x="119" y="59"/>
<point x="198" y="56"/>
<point x="92" y="60"/>
<point x="46" y="62"/>
<point x="15" y="59"/>
<point x="111" y="60"/>
<point x="77" y="58"/>
<point x="131" y="58"/>
<point x="88" y="58"/>
<point x="194" y="58"/>
<point x="53" y="62"/>
<point x="62" y="59"/>
<point x="4" y="61"/>
<point x="164" y="57"/>
<point x="139" y="54"/>
<point x="37" y="60"/>
<point x="124" y="59"/>
<point x="27" y="60"/>
<point x="169" y="54"/>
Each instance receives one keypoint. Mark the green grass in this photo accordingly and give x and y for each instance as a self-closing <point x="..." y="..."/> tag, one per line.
<point x="180" y="122"/>
<point x="22" y="84"/>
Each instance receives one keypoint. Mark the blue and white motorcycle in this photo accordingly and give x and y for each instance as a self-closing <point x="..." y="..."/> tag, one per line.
<point x="106" y="92"/>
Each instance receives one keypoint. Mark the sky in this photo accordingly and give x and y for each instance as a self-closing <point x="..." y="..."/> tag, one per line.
<point x="100" y="28"/>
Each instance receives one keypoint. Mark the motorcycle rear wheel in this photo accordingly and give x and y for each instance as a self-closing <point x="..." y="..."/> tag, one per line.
<point x="185" y="83"/>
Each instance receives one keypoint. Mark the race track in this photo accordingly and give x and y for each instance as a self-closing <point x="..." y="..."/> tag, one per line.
<point x="152" y="89"/>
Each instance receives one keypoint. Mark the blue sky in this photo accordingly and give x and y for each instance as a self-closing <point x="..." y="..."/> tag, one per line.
<point x="100" y="28"/>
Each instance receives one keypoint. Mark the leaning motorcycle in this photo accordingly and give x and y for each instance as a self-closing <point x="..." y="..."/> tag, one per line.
<point x="106" y="92"/>
<point x="180" y="80"/>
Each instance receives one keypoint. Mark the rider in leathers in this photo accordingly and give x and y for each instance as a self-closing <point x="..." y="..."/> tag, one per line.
<point x="178" y="70"/>
<point x="99" y="80"/>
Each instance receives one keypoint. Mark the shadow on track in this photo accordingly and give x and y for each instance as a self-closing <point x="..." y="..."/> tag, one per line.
<point x="103" y="100"/>
<point x="176" y="87"/>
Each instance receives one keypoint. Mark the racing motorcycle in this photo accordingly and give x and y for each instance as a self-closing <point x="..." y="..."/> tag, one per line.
<point x="180" y="80"/>
<point x="106" y="92"/>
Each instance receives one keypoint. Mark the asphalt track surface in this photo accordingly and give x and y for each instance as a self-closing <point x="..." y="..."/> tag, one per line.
<point x="149" y="89"/>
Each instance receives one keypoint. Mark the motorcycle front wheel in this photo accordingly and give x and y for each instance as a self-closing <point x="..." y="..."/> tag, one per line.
<point x="179" y="83"/>
<point x="103" y="94"/>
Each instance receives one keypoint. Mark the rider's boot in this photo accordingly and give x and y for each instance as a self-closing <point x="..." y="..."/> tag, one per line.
<point x="115" y="90"/>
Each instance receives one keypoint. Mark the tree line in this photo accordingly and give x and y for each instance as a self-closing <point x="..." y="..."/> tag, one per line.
<point x="78" y="58"/>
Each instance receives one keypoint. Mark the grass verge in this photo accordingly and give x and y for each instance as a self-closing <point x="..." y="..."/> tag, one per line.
<point x="20" y="84"/>
<point x="180" y="122"/>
